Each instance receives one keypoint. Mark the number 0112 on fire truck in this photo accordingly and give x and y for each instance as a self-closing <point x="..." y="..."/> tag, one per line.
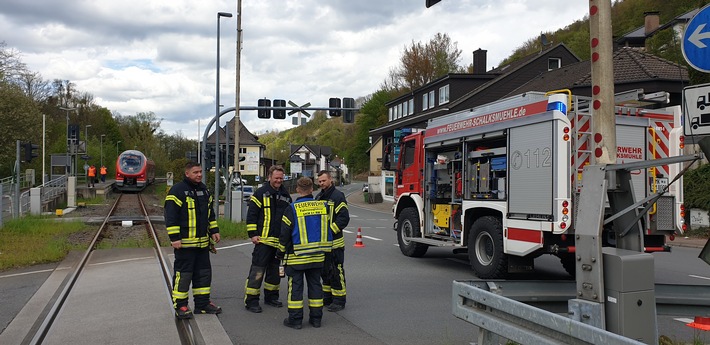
<point x="501" y="181"/>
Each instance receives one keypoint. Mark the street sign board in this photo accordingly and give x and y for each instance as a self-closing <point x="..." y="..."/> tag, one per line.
<point x="696" y="101"/>
<point x="696" y="40"/>
<point x="296" y="168"/>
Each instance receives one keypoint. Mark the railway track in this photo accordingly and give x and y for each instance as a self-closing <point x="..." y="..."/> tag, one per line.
<point x="128" y="211"/>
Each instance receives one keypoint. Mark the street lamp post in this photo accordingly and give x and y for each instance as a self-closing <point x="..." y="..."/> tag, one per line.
<point x="86" y="139"/>
<point x="86" y="149"/>
<point x="102" y="149"/>
<point x="118" y="142"/>
<point x="66" y="162"/>
<point x="216" y="116"/>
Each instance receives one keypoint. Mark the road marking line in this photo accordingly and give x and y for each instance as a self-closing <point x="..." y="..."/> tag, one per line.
<point x="234" y="245"/>
<point x="699" y="277"/>
<point x="347" y="231"/>
<point x="373" y="238"/>
<point x="684" y="320"/>
<point x="124" y="260"/>
<point x="26" y="273"/>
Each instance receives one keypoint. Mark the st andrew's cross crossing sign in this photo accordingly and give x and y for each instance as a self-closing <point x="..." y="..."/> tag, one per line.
<point x="696" y="41"/>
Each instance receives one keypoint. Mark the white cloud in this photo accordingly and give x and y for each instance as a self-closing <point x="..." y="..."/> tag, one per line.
<point x="160" y="56"/>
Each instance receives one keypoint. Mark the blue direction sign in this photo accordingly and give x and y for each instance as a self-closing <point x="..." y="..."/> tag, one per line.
<point x="696" y="40"/>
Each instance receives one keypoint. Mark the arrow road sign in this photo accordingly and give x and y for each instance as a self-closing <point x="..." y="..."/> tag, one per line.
<point x="696" y="40"/>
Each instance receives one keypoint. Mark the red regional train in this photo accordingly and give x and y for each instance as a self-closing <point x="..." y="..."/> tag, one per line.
<point x="134" y="171"/>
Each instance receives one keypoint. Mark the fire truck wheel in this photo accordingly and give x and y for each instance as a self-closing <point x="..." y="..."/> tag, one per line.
<point x="409" y="227"/>
<point x="485" y="248"/>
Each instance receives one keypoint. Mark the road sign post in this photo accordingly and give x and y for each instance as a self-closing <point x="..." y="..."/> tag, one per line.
<point x="696" y="41"/>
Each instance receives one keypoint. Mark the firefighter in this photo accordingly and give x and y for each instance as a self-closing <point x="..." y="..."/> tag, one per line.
<point x="333" y="274"/>
<point x="191" y="224"/>
<point x="266" y="207"/>
<point x="304" y="240"/>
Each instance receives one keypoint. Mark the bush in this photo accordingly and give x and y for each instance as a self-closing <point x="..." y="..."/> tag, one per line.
<point x="696" y="188"/>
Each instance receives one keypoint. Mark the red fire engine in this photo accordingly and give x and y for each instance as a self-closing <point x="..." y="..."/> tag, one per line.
<point x="501" y="181"/>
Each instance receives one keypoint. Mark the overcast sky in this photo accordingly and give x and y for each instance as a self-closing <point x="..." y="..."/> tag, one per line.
<point x="160" y="55"/>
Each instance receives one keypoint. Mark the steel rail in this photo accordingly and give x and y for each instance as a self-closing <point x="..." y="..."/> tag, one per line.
<point x="188" y="335"/>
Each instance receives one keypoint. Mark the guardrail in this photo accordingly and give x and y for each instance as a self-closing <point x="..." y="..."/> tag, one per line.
<point x="497" y="315"/>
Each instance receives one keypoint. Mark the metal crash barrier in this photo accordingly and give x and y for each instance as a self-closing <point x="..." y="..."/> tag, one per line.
<point x="497" y="315"/>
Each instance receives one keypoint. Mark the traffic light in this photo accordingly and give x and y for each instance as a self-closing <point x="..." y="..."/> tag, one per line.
<point x="348" y="115"/>
<point x="210" y="156"/>
<point x="279" y="114"/>
<point x="264" y="113"/>
<point x="334" y="103"/>
<point x="30" y="151"/>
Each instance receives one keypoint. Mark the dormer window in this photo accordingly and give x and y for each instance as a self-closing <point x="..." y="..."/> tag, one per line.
<point x="553" y="63"/>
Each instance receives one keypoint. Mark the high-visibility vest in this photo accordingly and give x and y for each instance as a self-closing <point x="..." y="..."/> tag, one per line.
<point x="92" y="171"/>
<point x="103" y="170"/>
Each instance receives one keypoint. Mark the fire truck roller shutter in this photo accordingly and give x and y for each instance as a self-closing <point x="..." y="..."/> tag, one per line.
<point x="530" y="169"/>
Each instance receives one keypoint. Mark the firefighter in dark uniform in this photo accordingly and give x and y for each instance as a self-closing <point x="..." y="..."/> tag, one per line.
<point x="305" y="238"/>
<point x="333" y="274"/>
<point x="266" y="207"/>
<point x="191" y="225"/>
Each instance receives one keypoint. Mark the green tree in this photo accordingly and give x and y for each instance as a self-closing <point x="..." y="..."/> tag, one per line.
<point x="421" y="63"/>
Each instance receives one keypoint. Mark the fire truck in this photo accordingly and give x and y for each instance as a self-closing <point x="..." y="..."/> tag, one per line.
<point x="501" y="181"/>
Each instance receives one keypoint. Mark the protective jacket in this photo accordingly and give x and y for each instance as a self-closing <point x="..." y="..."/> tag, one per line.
<point x="189" y="215"/>
<point x="305" y="234"/>
<point x="266" y="207"/>
<point x="339" y="214"/>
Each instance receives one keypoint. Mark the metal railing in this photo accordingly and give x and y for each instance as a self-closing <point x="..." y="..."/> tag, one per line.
<point x="50" y="190"/>
<point x="496" y="315"/>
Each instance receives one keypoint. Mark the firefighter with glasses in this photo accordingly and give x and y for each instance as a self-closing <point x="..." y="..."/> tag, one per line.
<point x="266" y="207"/>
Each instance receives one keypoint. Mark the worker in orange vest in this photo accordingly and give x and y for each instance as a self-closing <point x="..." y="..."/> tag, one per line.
<point x="92" y="175"/>
<point x="103" y="174"/>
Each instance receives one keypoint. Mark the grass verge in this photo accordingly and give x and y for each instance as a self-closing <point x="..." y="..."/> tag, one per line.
<point x="35" y="240"/>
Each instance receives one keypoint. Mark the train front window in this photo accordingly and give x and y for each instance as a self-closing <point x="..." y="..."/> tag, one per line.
<point x="131" y="162"/>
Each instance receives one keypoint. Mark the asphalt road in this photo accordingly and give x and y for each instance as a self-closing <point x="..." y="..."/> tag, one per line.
<point x="392" y="299"/>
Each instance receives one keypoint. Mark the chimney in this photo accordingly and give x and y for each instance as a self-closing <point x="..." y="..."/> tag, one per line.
<point x="651" y="21"/>
<point x="479" y="61"/>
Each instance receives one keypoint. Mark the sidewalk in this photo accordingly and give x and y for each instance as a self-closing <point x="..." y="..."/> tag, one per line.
<point x="357" y="199"/>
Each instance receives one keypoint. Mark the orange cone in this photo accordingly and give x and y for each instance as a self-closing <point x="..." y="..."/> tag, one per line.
<point x="358" y="240"/>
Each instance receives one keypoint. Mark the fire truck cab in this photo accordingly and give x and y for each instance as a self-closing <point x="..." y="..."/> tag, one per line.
<point x="500" y="181"/>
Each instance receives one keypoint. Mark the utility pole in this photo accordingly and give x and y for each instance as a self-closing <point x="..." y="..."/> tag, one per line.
<point x="236" y="97"/>
<point x="604" y="121"/>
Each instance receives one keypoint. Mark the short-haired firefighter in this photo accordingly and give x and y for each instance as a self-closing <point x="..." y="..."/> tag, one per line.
<point x="304" y="240"/>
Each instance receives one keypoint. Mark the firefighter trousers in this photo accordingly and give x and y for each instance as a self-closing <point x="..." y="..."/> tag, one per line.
<point x="191" y="267"/>
<point x="296" y="279"/>
<point x="333" y="277"/>
<point x="264" y="268"/>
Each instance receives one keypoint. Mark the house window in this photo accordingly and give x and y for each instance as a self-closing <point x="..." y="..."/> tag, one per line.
<point x="553" y="63"/>
<point x="242" y="150"/>
<point x="391" y="113"/>
<point x="444" y="94"/>
<point x="425" y="101"/>
<point x="411" y="106"/>
<point x="431" y="99"/>
<point x="405" y="109"/>
<point x="399" y="110"/>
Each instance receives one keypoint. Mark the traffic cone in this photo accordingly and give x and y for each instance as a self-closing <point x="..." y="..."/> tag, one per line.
<point x="358" y="240"/>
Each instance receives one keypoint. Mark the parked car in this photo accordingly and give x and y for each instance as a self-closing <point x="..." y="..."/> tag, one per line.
<point x="365" y="188"/>
<point x="248" y="191"/>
